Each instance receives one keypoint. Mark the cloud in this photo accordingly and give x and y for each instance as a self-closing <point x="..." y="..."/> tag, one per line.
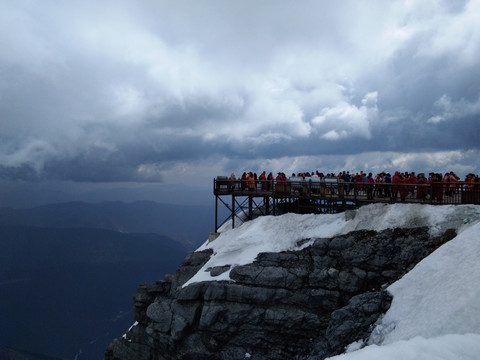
<point x="118" y="91"/>
<point x="347" y="120"/>
<point x="453" y="110"/>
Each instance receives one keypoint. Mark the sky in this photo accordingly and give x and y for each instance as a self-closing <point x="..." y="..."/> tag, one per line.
<point x="120" y="99"/>
<point x="435" y="312"/>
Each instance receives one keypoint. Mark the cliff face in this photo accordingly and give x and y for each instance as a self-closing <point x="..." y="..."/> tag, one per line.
<point x="305" y="304"/>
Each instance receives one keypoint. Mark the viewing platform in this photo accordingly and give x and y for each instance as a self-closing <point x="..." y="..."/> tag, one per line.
<point x="246" y="199"/>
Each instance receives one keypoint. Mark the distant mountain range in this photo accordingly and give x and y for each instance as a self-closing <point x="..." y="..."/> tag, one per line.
<point x="13" y="354"/>
<point x="188" y="224"/>
<point x="67" y="271"/>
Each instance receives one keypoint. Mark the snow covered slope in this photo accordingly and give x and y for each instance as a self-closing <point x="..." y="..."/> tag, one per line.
<point x="435" y="314"/>
<point x="241" y="245"/>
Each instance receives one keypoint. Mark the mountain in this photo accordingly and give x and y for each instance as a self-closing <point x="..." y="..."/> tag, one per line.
<point x="14" y="354"/>
<point x="64" y="291"/>
<point x="188" y="224"/>
<point x="310" y="286"/>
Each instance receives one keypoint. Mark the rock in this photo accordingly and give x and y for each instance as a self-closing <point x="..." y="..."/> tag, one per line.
<point x="218" y="270"/>
<point x="306" y="304"/>
<point x="354" y="322"/>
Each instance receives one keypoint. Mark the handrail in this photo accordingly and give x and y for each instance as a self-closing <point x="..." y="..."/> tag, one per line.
<point x="334" y="189"/>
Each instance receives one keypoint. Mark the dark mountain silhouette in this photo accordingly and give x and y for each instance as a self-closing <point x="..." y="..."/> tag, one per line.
<point x="188" y="224"/>
<point x="14" y="354"/>
<point x="64" y="291"/>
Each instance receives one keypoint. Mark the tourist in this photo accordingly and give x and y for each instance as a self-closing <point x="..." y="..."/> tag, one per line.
<point x="422" y="188"/>
<point x="233" y="181"/>
<point x="263" y="179"/>
<point x="437" y="186"/>
<point x="370" y="184"/>
<point x="243" y="181"/>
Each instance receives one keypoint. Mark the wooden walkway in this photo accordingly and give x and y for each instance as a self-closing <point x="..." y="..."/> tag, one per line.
<point x="246" y="200"/>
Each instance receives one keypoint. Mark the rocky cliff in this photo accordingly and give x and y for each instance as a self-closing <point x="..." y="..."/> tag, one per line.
<point x="304" y="304"/>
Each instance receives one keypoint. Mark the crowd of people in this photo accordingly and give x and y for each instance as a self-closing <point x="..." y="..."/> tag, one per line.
<point x="402" y="185"/>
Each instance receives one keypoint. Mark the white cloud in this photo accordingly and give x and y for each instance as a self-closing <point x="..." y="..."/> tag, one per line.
<point x="455" y="34"/>
<point x="238" y="78"/>
<point x="436" y="119"/>
<point x="453" y="110"/>
<point x="347" y="120"/>
<point x="128" y="104"/>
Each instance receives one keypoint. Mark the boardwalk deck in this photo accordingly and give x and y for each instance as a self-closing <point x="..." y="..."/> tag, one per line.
<point x="328" y="196"/>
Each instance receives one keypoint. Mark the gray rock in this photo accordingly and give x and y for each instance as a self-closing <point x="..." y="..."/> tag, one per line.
<point x="161" y="314"/>
<point x="306" y="304"/>
<point x="218" y="270"/>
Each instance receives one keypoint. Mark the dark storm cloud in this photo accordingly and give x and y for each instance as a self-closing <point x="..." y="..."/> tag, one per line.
<point x="140" y="92"/>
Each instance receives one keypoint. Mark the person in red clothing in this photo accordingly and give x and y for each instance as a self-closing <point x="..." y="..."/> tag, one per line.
<point x="404" y="189"/>
<point x="263" y="178"/>
<point x="422" y="189"/>
<point x="280" y="180"/>
<point x="470" y="179"/>
<point x="358" y="182"/>
<point x="437" y="187"/>
<point x="451" y="185"/>
<point x="412" y="179"/>
<point x="378" y="186"/>
<point x="399" y="180"/>
<point x="243" y="181"/>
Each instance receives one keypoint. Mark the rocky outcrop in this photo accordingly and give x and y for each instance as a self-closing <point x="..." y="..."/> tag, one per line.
<point x="305" y="304"/>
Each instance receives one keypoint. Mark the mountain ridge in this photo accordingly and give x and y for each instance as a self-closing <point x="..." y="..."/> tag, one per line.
<point x="7" y="353"/>
<point x="63" y="289"/>
<point x="187" y="224"/>
<point x="291" y="286"/>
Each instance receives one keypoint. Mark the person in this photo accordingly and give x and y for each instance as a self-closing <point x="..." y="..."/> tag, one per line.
<point x="387" y="180"/>
<point x="422" y="188"/>
<point x="346" y="179"/>
<point x="437" y="187"/>
<point x="281" y="180"/>
<point x="269" y="181"/>
<point x="412" y="179"/>
<point x="378" y="187"/>
<point x="450" y="178"/>
<point x="263" y="178"/>
<point x="244" y="181"/>
<point x="470" y="180"/>
<point x="358" y="182"/>
<point x="404" y="190"/>
<point x="250" y="181"/>
<point x="370" y="184"/>
<point x="233" y="181"/>
<point x="398" y="181"/>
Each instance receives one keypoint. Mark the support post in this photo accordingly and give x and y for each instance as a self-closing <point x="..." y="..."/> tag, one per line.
<point x="250" y="208"/>
<point x="233" y="211"/>
<point x="216" y="213"/>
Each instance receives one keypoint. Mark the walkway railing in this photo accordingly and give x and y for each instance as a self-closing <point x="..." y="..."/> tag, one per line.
<point x="332" y="189"/>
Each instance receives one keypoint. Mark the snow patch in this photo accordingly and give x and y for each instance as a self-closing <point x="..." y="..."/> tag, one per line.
<point x="241" y="245"/>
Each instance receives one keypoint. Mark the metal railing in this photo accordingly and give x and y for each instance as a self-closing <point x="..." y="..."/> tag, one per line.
<point x="337" y="190"/>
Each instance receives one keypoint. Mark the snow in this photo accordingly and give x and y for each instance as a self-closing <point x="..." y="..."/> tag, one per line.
<point x="446" y="347"/>
<point x="435" y="313"/>
<point x="442" y="283"/>
<point x="241" y="245"/>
